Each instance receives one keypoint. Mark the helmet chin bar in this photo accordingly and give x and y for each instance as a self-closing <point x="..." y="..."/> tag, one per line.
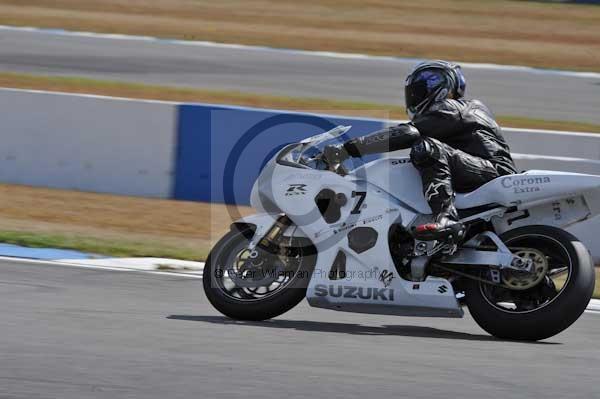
<point x="424" y="105"/>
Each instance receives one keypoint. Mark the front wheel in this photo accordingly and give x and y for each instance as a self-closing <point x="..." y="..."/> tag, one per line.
<point x="541" y="304"/>
<point x="255" y="285"/>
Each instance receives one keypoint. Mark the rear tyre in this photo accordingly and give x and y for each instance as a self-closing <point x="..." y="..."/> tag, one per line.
<point x="255" y="288"/>
<point x="555" y="301"/>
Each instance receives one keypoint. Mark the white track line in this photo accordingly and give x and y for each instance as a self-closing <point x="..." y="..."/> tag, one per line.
<point x="96" y="267"/>
<point x="327" y="54"/>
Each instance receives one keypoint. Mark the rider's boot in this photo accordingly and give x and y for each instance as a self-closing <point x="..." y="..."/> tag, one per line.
<point x="445" y="227"/>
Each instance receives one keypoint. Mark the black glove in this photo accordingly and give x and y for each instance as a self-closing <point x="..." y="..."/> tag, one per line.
<point x="335" y="154"/>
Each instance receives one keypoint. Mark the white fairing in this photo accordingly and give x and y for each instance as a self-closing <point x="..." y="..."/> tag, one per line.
<point x="533" y="185"/>
<point x="433" y="297"/>
<point x="399" y="177"/>
<point x="389" y="191"/>
<point x="402" y="180"/>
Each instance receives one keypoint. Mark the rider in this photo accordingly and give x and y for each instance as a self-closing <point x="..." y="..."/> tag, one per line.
<point x="456" y="143"/>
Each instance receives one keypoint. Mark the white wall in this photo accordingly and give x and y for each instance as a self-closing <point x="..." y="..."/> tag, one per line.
<point x="87" y="143"/>
<point x="550" y="143"/>
<point x="540" y="149"/>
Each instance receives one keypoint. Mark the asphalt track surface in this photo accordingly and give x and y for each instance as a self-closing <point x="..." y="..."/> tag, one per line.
<point x="535" y="94"/>
<point x="79" y="333"/>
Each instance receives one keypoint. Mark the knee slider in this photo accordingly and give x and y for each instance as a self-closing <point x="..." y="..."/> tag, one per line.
<point x="424" y="154"/>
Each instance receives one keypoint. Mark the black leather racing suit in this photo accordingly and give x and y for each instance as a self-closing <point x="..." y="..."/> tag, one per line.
<point x="456" y="145"/>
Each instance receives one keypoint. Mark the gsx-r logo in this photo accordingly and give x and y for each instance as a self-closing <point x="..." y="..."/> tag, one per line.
<point x="296" y="189"/>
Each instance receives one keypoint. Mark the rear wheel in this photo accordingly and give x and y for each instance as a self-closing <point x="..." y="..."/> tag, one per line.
<point x="254" y="285"/>
<point x="537" y="305"/>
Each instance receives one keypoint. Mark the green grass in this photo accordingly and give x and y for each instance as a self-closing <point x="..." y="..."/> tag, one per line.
<point x="338" y="107"/>
<point x="165" y="267"/>
<point x="116" y="248"/>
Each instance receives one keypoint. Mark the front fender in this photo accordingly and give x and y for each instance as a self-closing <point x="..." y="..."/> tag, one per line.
<point x="259" y="223"/>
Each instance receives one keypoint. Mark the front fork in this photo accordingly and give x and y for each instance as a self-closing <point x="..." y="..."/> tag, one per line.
<point x="269" y="240"/>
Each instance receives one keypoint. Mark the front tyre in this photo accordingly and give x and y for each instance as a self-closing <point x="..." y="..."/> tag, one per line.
<point x="254" y="285"/>
<point x="544" y="303"/>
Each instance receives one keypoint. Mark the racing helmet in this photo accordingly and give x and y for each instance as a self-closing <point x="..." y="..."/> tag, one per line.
<point x="430" y="82"/>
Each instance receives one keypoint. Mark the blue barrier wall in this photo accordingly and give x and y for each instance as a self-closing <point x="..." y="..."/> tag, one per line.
<point x="221" y="150"/>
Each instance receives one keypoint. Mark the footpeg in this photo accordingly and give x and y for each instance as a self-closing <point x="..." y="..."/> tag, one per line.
<point x="430" y="248"/>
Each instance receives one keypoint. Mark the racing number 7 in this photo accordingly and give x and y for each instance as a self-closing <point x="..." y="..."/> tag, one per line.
<point x="361" y="198"/>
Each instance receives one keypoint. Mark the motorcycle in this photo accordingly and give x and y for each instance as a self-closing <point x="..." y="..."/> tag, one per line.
<point x="343" y="240"/>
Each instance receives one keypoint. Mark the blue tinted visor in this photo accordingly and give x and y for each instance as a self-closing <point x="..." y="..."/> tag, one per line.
<point x="422" y="88"/>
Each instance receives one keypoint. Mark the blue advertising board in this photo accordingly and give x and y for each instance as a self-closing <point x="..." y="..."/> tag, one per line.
<point x="222" y="149"/>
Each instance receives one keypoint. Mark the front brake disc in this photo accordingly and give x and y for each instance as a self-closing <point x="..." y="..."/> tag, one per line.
<point x="252" y="272"/>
